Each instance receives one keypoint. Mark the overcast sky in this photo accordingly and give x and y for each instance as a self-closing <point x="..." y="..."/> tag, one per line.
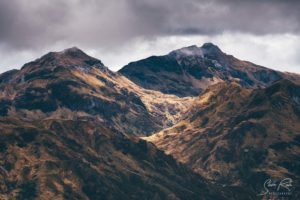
<point x="265" y="32"/>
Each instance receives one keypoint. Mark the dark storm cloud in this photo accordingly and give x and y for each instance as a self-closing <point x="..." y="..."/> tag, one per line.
<point x="32" y="24"/>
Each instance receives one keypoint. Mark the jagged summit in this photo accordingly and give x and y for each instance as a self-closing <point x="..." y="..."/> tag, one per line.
<point x="207" y="49"/>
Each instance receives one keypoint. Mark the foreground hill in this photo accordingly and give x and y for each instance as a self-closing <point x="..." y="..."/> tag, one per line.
<point x="239" y="136"/>
<point x="190" y="70"/>
<point x="83" y="159"/>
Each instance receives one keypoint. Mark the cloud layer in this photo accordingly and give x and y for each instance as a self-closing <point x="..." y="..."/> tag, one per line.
<point x="28" y="27"/>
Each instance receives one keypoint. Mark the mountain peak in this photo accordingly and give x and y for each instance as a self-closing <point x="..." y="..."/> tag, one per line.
<point x="73" y="51"/>
<point x="209" y="45"/>
<point x="68" y="57"/>
<point x="68" y="53"/>
<point x="206" y="49"/>
<point x="209" y="48"/>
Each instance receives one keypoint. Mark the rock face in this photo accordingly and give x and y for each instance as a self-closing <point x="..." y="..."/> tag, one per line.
<point x="239" y="136"/>
<point x="190" y="70"/>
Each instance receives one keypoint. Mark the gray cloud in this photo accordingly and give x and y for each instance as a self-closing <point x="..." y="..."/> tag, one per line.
<point x="25" y="24"/>
<point x="28" y="24"/>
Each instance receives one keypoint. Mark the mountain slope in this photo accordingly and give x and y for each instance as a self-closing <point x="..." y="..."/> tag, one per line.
<point x="68" y="129"/>
<point x="190" y="70"/>
<point x="239" y="136"/>
<point x="70" y="83"/>
<point x="83" y="159"/>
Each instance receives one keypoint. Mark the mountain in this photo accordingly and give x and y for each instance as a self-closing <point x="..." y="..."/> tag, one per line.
<point x="189" y="71"/>
<point x="70" y="83"/>
<point x="240" y="136"/>
<point x="69" y="128"/>
<point x="208" y="126"/>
